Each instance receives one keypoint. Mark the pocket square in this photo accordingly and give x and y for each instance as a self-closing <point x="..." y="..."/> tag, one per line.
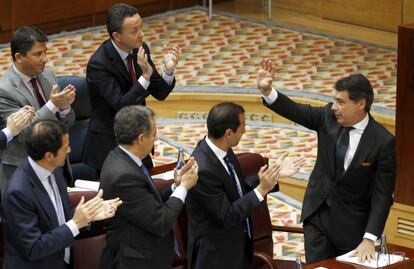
<point x="366" y="164"/>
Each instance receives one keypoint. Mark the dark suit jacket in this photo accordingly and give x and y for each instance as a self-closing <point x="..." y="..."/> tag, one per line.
<point x="110" y="89"/>
<point x="140" y="235"/>
<point x="33" y="236"/>
<point x="3" y="138"/>
<point x="360" y="199"/>
<point x="216" y="236"/>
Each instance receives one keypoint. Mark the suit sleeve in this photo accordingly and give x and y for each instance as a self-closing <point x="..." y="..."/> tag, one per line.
<point x="141" y="207"/>
<point x="3" y="140"/>
<point x="305" y="115"/>
<point x="211" y="195"/>
<point x="23" y="221"/>
<point x="383" y="188"/>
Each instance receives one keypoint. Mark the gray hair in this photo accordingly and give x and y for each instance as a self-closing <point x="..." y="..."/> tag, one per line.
<point x="132" y="121"/>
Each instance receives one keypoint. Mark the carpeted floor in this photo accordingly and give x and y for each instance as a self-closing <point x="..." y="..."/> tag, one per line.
<point x="223" y="54"/>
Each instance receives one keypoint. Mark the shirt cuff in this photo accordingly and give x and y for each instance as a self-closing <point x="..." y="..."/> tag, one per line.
<point x="271" y="98"/>
<point x="259" y="196"/>
<point x="8" y="133"/>
<point x="144" y="83"/>
<point x="52" y="107"/>
<point x="370" y="237"/>
<point x="64" y="113"/>
<point x="180" y="193"/>
<point x="73" y="228"/>
<point x="173" y="187"/>
<point x="167" y="78"/>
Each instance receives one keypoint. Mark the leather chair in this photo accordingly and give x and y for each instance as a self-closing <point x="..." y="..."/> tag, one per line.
<point x="77" y="132"/>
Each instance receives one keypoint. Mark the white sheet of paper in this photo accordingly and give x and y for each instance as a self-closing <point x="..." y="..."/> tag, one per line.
<point x="165" y="176"/>
<point x="87" y="184"/>
<point x="373" y="264"/>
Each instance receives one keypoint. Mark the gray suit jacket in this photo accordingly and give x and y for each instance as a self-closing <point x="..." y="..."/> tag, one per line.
<point x="14" y="95"/>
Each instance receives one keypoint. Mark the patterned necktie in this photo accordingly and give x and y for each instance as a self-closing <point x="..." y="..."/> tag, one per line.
<point x="341" y="149"/>
<point x="131" y="69"/>
<point x="232" y="173"/>
<point x="59" y="212"/>
<point x="39" y="97"/>
<point x="146" y="172"/>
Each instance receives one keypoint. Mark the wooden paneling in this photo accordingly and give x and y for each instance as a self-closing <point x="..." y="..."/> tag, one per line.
<point x="384" y="14"/>
<point x="408" y="11"/>
<point x="304" y="6"/>
<point x="404" y="128"/>
<point x="29" y="12"/>
<point x="53" y="16"/>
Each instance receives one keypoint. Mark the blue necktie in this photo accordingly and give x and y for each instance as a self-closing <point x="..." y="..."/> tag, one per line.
<point x="341" y="149"/>
<point x="59" y="211"/>
<point x="146" y="172"/>
<point x="232" y="173"/>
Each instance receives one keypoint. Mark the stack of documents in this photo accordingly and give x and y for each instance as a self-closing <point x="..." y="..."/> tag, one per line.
<point x="373" y="263"/>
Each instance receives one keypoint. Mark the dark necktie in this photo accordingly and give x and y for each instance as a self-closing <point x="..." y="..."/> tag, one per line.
<point x="341" y="149"/>
<point x="131" y="69"/>
<point x="36" y="89"/>
<point x="232" y="173"/>
<point x="146" y="172"/>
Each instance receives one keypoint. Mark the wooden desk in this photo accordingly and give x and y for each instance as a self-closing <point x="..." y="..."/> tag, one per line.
<point x="333" y="264"/>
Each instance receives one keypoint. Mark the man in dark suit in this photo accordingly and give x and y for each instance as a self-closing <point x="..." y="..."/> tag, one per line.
<point x="39" y="224"/>
<point x="220" y="232"/>
<point x="121" y="73"/>
<point x="16" y="122"/>
<point x="28" y="83"/>
<point x="140" y="235"/>
<point x="350" y="190"/>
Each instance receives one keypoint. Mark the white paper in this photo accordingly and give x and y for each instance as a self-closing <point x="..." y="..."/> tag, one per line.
<point x="87" y="184"/>
<point x="165" y="176"/>
<point x="373" y="264"/>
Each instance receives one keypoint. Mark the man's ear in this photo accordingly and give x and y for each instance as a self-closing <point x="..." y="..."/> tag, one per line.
<point x="228" y="132"/>
<point x="140" y="139"/>
<point x="116" y="36"/>
<point x="48" y="156"/>
<point x="18" y="57"/>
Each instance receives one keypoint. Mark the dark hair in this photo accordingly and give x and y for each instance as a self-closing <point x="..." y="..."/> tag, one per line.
<point x="44" y="136"/>
<point x="223" y="116"/>
<point x="24" y="38"/>
<point x="116" y="15"/>
<point x="358" y="87"/>
<point x="130" y="122"/>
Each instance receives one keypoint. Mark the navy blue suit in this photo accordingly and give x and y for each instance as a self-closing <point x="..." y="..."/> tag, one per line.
<point x="33" y="237"/>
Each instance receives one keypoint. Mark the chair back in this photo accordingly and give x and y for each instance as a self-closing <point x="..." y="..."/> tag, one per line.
<point x="77" y="132"/>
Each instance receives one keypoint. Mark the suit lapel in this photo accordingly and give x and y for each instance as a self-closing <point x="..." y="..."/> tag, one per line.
<point x="117" y="62"/>
<point x="364" y="146"/>
<point x="227" y="180"/>
<point x="41" y="194"/>
<point x="335" y="131"/>
<point x="139" y="172"/>
<point x="21" y="88"/>
<point x="46" y="86"/>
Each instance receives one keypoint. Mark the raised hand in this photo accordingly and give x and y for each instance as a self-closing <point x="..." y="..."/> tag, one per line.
<point x="63" y="99"/>
<point x="189" y="178"/>
<point x="179" y="173"/>
<point x="171" y="57"/>
<point x="108" y="209"/>
<point x="265" y="76"/>
<point x="20" y="119"/>
<point x="268" y="177"/>
<point x="86" y="212"/>
<point x="142" y="59"/>
<point x="289" y="166"/>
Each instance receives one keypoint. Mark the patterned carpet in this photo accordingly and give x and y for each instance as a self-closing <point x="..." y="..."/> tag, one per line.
<point x="224" y="53"/>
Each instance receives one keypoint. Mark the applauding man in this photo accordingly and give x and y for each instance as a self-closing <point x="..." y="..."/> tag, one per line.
<point x="39" y="223"/>
<point x="121" y="73"/>
<point x="28" y="83"/>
